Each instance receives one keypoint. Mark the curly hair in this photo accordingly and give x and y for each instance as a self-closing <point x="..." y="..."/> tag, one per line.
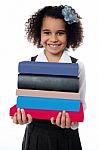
<point x="34" y="24"/>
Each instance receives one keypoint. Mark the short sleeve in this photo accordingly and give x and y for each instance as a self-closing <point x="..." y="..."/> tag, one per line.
<point x="82" y="83"/>
<point x="82" y="88"/>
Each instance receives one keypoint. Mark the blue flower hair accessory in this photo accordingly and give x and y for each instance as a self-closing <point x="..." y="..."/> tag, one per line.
<point x="69" y="15"/>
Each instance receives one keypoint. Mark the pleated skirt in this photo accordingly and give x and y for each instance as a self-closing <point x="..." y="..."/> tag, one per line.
<point x="42" y="135"/>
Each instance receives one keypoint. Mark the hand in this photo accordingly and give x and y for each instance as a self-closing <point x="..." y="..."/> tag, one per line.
<point x="62" y="120"/>
<point x="21" y="118"/>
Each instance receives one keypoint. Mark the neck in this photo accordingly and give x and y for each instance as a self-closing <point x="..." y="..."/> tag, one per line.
<point x="53" y="57"/>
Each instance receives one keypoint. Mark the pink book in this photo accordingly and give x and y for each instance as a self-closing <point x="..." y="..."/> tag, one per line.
<point x="50" y="94"/>
<point x="47" y="114"/>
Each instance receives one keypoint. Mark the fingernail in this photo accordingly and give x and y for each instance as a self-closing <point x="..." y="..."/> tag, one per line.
<point x="60" y="113"/>
<point x="22" y="110"/>
<point x="15" y="114"/>
<point x="67" y="114"/>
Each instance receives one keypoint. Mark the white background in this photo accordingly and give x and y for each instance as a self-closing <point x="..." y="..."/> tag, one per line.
<point x="14" y="48"/>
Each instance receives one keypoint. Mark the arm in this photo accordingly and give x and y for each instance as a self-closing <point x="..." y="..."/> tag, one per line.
<point x="82" y="83"/>
<point x="63" y="119"/>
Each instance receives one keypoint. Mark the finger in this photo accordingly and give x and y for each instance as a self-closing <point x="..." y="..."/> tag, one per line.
<point x="74" y="123"/>
<point x="63" y="120"/>
<point x="29" y="118"/>
<point x="23" y="116"/>
<point x="19" y="116"/>
<point x="53" y="121"/>
<point x="15" y="118"/>
<point x="12" y="117"/>
<point x="58" y="119"/>
<point x="68" y="121"/>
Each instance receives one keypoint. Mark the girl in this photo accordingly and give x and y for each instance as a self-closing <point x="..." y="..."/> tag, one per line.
<point x="56" y="29"/>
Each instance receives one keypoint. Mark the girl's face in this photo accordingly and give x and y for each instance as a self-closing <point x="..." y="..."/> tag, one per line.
<point x="53" y="35"/>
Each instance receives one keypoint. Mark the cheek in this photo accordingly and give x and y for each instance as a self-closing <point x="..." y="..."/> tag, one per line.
<point x="43" y="39"/>
<point x="64" y="40"/>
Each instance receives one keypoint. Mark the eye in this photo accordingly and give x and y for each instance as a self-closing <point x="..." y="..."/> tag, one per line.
<point x="46" y="32"/>
<point x="61" y="33"/>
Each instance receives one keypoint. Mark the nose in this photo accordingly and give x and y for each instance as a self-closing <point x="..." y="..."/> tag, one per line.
<point x="53" y="38"/>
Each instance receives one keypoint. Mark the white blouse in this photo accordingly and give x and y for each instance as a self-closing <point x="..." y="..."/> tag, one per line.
<point x="65" y="58"/>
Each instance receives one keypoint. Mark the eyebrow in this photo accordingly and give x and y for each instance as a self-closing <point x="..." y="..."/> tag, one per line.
<point x="57" y="30"/>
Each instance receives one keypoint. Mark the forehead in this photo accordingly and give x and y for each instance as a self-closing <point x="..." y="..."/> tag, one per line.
<point x="53" y="23"/>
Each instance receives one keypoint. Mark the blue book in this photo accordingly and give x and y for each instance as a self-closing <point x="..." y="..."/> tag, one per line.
<point x="50" y="68"/>
<point x="48" y="103"/>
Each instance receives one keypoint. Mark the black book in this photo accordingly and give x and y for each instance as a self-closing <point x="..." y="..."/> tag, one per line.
<point x="47" y="82"/>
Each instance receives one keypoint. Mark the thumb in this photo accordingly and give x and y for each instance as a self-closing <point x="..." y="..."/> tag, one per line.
<point x="29" y="117"/>
<point x="53" y="121"/>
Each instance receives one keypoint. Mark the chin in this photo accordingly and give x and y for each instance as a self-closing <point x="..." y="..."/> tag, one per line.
<point x="54" y="52"/>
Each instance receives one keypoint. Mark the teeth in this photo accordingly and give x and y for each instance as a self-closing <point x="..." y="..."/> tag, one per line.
<point x="53" y="45"/>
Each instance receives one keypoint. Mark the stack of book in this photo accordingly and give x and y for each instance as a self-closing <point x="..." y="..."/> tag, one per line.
<point x="46" y="88"/>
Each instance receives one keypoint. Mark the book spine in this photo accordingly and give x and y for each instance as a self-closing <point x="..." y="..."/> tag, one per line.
<point x="47" y="114"/>
<point x="52" y="68"/>
<point x="51" y="94"/>
<point x="48" y="103"/>
<point x="51" y="83"/>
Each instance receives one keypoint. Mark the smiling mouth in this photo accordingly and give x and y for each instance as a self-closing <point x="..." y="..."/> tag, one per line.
<point x="54" y="45"/>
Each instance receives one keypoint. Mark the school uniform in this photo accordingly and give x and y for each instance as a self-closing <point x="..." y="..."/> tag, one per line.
<point x="42" y="135"/>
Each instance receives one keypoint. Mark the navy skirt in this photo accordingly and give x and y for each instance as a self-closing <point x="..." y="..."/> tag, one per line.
<point x="42" y="135"/>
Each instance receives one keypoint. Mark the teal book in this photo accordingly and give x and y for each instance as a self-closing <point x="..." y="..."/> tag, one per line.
<point x="48" y="103"/>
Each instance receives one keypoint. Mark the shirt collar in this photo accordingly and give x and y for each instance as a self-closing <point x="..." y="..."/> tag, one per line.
<point x="65" y="58"/>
